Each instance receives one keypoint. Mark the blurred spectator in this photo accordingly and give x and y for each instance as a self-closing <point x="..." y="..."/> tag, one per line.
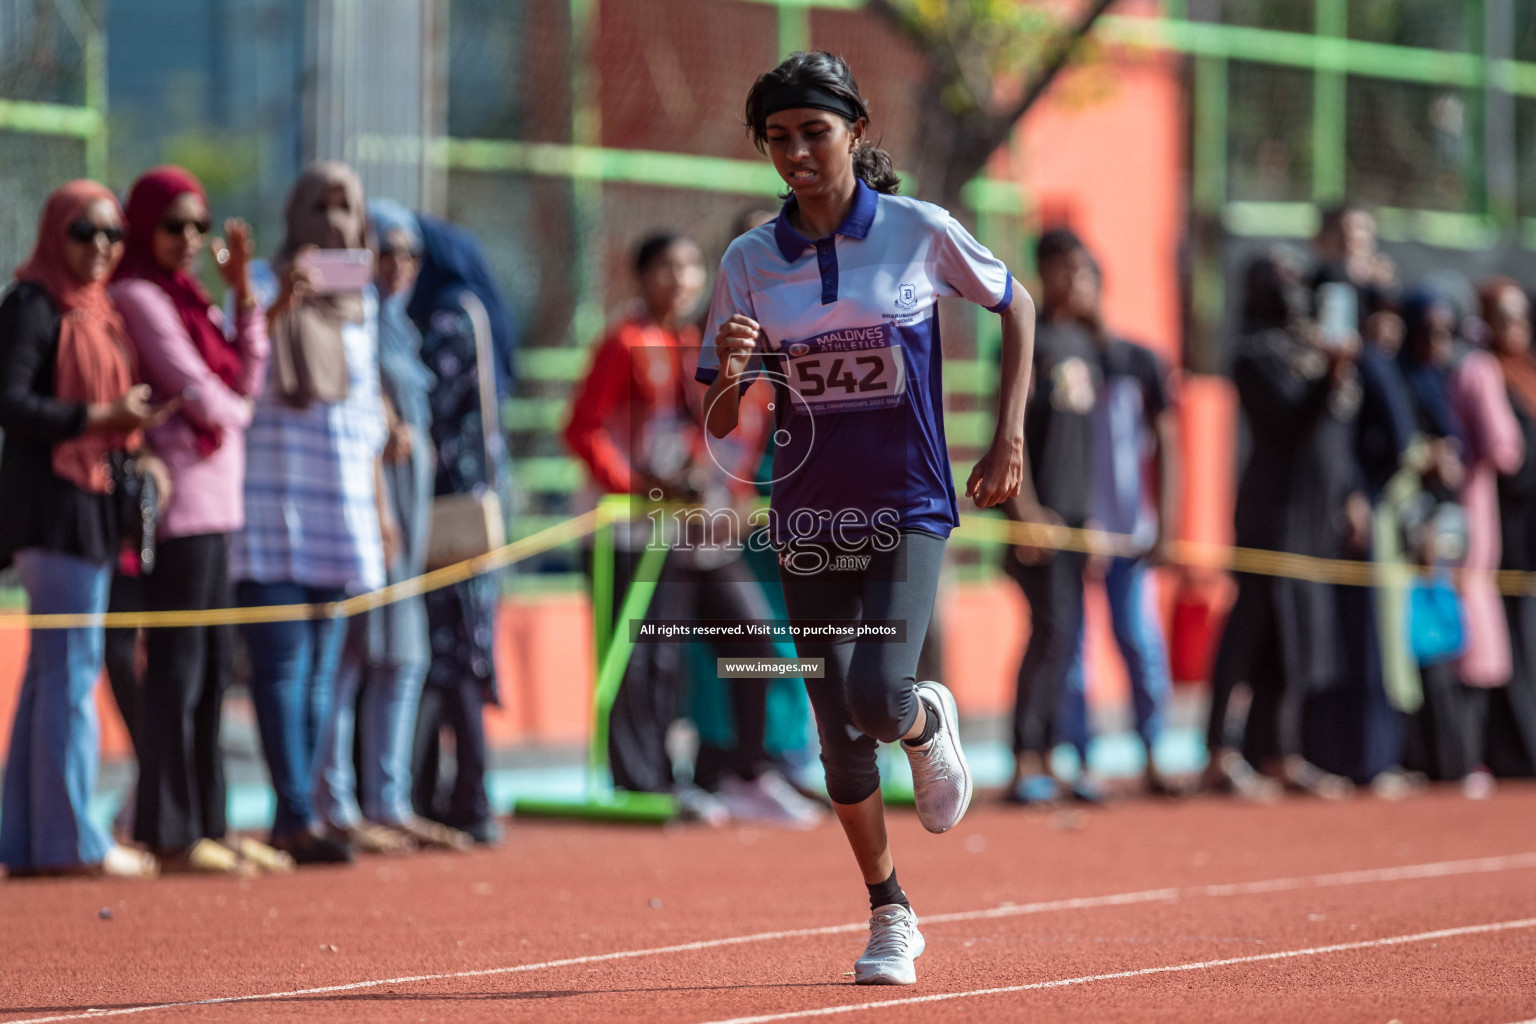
<point x="454" y="293"/>
<point x="316" y="523"/>
<point x="633" y="424"/>
<point x="1346" y="251"/>
<point x="1299" y="399"/>
<point x="384" y="662"/>
<point x="1494" y="445"/>
<point x="69" y="407"/>
<point x="1512" y="739"/>
<point x="1058" y="432"/>
<point x="184" y="350"/>
<point x="1135" y="429"/>
<point x="1459" y="395"/>
<point x="1356" y="727"/>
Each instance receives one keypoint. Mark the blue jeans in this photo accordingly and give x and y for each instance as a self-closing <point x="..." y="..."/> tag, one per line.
<point x="51" y="770"/>
<point x="385" y="718"/>
<point x="1139" y="635"/>
<point x="293" y="674"/>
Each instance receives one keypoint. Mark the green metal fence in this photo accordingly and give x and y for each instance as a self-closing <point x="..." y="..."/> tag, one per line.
<point x="52" y="109"/>
<point x="1291" y="108"/>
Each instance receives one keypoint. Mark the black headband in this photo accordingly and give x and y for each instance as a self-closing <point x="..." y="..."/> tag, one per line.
<point x="791" y="97"/>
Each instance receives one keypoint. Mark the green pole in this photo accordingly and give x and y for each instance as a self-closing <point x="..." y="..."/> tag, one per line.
<point x="602" y="581"/>
<point x="1329" y="110"/>
<point x="95" y="46"/>
<point x="1208" y="194"/>
<point x="794" y="26"/>
<point x="586" y="195"/>
<point x="610" y="672"/>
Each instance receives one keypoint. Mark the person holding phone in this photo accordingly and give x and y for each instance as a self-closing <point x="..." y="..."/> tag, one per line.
<point x="1297" y="494"/>
<point x="316" y="524"/>
<point x="185" y="348"/>
<point x="68" y="405"/>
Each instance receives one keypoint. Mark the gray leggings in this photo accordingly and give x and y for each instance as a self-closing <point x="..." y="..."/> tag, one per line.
<point x="867" y="694"/>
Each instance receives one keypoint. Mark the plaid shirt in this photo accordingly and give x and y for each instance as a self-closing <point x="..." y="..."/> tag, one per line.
<point x="310" y="513"/>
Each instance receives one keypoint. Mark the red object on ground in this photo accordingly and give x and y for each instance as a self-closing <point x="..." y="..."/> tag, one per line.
<point x="1114" y="897"/>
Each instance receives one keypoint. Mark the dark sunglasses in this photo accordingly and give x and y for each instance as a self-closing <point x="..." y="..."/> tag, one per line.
<point x="400" y="252"/>
<point x="84" y="232"/>
<point x="179" y="227"/>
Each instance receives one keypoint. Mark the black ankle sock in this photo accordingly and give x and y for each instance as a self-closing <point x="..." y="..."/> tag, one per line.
<point x="930" y="724"/>
<point x="887" y="892"/>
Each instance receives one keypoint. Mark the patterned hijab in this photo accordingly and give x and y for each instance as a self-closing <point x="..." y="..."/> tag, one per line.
<point x="95" y="360"/>
<point x="308" y="352"/>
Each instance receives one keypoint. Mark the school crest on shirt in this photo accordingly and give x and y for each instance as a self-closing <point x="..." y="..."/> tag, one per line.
<point x="906" y="296"/>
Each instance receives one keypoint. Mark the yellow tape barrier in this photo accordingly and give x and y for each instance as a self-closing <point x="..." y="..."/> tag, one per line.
<point x="534" y="544"/>
<point x="974" y="528"/>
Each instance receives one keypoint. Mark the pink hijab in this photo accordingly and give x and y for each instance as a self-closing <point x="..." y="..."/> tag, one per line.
<point x="150" y="197"/>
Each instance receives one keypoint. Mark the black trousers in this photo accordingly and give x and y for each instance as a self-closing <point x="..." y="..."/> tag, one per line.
<point x="647" y="701"/>
<point x="1446" y="735"/>
<point x="181" y="770"/>
<point x="867" y="695"/>
<point x="1054" y="590"/>
<point x="1250" y="652"/>
<point x="124" y="667"/>
<point x="461" y="801"/>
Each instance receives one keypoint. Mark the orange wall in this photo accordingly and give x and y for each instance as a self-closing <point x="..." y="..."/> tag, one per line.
<point x="1104" y="155"/>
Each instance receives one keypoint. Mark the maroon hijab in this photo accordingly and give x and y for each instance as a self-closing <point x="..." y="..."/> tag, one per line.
<point x="150" y="197"/>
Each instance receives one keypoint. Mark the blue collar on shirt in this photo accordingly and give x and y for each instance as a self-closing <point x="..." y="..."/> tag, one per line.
<point x="856" y="225"/>
<point x="792" y="243"/>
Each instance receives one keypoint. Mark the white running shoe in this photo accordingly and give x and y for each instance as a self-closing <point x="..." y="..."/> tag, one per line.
<point x="941" y="780"/>
<point x="894" y="942"/>
<point x="770" y="800"/>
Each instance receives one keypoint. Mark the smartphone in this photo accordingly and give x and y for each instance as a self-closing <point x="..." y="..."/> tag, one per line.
<point x="338" y="270"/>
<point x="1337" y="312"/>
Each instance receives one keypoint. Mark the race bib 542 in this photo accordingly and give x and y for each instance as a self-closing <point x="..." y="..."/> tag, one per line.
<point x="848" y="370"/>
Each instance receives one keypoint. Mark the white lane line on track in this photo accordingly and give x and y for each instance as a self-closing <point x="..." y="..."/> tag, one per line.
<point x="1438" y="869"/>
<point x="1342" y="947"/>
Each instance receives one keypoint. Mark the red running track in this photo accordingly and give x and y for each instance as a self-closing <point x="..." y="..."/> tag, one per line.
<point x="1363" y="911"/>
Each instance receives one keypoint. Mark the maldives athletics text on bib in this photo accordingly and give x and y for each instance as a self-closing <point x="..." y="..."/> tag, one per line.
<point x="851" y="369"/>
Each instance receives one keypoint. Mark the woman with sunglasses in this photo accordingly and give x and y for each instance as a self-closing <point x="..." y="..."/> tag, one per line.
<point x="68" y="405"/>
<point x="185" y="349"/>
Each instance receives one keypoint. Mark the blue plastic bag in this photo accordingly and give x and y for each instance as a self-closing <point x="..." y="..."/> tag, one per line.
<point x="1436" y="632"/>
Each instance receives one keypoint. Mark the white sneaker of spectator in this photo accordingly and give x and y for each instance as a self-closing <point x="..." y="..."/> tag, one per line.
<point x="769" y="799"/>
<point x="695" y="804"/>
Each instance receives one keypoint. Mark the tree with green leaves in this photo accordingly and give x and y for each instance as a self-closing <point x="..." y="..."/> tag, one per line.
<point x="989" y="61"/>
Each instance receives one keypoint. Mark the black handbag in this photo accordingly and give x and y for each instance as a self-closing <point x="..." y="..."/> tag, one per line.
<point x="138" y="507"/>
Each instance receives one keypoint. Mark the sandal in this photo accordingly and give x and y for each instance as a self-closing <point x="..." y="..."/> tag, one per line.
<point x="206" y="857"/>
<point x="1306" y="777"/>
<point x="127" y="862"/>
<point x="369" y="837"/>
<point x="266" y="858"/>
<point x="1232" y="775"/>
<point x="433" y="835"/>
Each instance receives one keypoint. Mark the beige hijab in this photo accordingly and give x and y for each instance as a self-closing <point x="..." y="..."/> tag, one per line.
<point x="308" y="352"/>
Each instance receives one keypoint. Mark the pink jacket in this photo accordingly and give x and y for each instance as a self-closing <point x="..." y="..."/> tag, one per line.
<point x="1494" y="446"/>
<point x="207" y="493"/>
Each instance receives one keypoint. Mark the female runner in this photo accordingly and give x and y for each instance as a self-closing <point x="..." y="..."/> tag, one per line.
<point x="835" y="302"/>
